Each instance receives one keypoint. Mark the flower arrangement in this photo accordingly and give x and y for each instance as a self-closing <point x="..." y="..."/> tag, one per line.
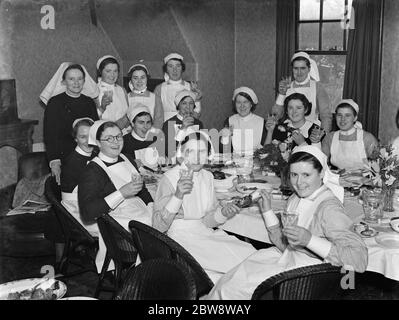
<point x="384" y="173"/>
<point x="271" y="157"/>
<point x="384" y="170"/>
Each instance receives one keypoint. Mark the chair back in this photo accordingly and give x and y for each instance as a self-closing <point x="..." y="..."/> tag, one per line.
<point x="71" y="228"/>
<point x="316" y="282"/>
<point x="152" y="244"/>
<point x="119" y="242"/>
<point x="158" y="279"/>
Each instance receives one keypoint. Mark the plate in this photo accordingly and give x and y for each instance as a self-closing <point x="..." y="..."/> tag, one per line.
<point x="29" y="284"/>
<point x="362" y="231"/>
<point x="389" y="240"/>
<point x="249" y="187"/>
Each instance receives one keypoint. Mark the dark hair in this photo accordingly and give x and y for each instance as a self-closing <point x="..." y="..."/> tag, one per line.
<point x="80" y="123"/>
<point x="183" y="65"/>
<point x="197" y="136"/>
<point x="142" y="114"/>
<point x="246" y="96"/>
<point x="346" y="105"/>
<point x="74" y="66"/>
<point x="177" y="107"/>
<point x="301" y="59"/>
<point x="103" y="127"/>
<point x="298" y="96"/>
<point x="130" y="73"/>
<point x="104" y="63"/>
<point x="305" y="157"/>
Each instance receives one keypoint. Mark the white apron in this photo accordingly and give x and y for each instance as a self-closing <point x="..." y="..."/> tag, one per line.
<point x="241" y="282"/>
<point x="247" y="133"/>
<point x="148" y="101"/>
<point x="310" y="93"/>
<point x="215" y="251"/>
<point x="349" y="155"/>
<point x="70" y="202"/>
<point x="130" y="209"/>
<point x="168" y="93"/>
<point x="118" y="107"/>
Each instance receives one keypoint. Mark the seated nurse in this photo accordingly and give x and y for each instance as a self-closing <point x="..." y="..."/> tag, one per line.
<point x="350" y="146"/>
<point x="187" y="209"/>
<point x="111" y="184"/>
<point x="320" y="231"/>
<point x="245" y="130"/>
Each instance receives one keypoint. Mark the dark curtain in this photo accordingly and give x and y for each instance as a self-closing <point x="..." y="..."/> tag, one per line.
<point x="363" y="62"/>
<point x="285" y="37"/>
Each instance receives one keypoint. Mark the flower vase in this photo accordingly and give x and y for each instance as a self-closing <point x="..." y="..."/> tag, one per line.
<point x="389" y="198"/>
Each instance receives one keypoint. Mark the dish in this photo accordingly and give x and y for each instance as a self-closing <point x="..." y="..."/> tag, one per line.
<point x="389" y="240"/>
<point x="394" y="223"/>
<point x="364" y="231"/>
<point x="33" y="289"/>
<point x="249" y="187"/>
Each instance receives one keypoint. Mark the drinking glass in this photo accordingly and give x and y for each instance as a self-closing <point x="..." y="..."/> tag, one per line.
<point x="373" y="201"/>
<point x="186" y="174"/>
<point x="109" y="94"/>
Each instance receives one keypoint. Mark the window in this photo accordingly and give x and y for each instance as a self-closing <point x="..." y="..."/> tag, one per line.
<point x="322" y="32"/>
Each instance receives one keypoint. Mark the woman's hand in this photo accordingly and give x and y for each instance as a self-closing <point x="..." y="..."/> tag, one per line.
<point x="188" y="121"/>
<point x="265" y="203"/>
<point x="56" y="171"/>
<point x="105" y="101"/>
<point x="133" y="187"/>
<point x="270" y="123"/>
<point x="298" y="137"/>
<point x="194" y="88"/>
<point x="297" y="236"/>
<point x="184" y="186"/>
<point x="230" y="210"/>
<point x="316" y="135"/>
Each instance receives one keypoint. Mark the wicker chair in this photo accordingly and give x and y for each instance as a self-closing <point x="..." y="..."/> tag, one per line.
<point x="76" y="237"/>
<point x="158" y="279"/>
<point x="120" y="249"/>
<point x="316" y="282"/>
<point x="152" y="244"/>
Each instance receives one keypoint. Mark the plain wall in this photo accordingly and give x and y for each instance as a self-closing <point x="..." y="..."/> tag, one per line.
<point x="389" y="105"/>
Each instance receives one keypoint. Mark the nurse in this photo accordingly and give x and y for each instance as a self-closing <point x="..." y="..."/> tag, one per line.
<point x="245" y="129"/>
<point x="187" y="209"/>
<point x="350" y="147"/>
<point x="139" y="94"/>
<point x="142" y="141"/>
<point x="111" y="184"/>
<point x="313" y="229"/>
<point x="306" y="81"/>
<point x="112" y="102"/>
<point x="165" y="92"/>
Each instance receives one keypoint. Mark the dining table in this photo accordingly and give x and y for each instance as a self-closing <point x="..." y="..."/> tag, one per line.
<point x="383" y="257"/>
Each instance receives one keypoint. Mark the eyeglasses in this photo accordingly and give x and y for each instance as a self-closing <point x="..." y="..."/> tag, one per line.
<point x="112" y="139"/>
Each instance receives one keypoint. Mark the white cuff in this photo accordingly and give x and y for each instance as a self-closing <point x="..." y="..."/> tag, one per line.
<point x="180" y="134"/>
<point x="114" y="199"/>
<point x="174" y="204"/>
<point x="150" y="206"/>
<point x="219" y="217"/>
<point x="319" y="246"/>
<point x="54" y="161"/>
<point x="280" y="99"/>
<point x="270" y="218"/>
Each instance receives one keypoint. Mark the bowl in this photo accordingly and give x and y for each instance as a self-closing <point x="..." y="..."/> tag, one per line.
<point x="394" y="222"/>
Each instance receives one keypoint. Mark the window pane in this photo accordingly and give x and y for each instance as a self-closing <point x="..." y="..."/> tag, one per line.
<point x="309" y="9"/>
<point x="331" y="70"/>
<point x="333" y="9"/>
<point x="308" y="36"/>
<point x="333" y="36"/>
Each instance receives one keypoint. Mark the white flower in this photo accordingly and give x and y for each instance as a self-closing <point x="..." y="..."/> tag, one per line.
<point x="281" y="128"/>
<point x="384" y="154"/>
<point x="390" y="181"/>
<point x="275" y="142"/>
<point x="283" y="146"/>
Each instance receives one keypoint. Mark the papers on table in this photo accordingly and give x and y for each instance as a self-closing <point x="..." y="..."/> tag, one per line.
<point x="29" y="206"/>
